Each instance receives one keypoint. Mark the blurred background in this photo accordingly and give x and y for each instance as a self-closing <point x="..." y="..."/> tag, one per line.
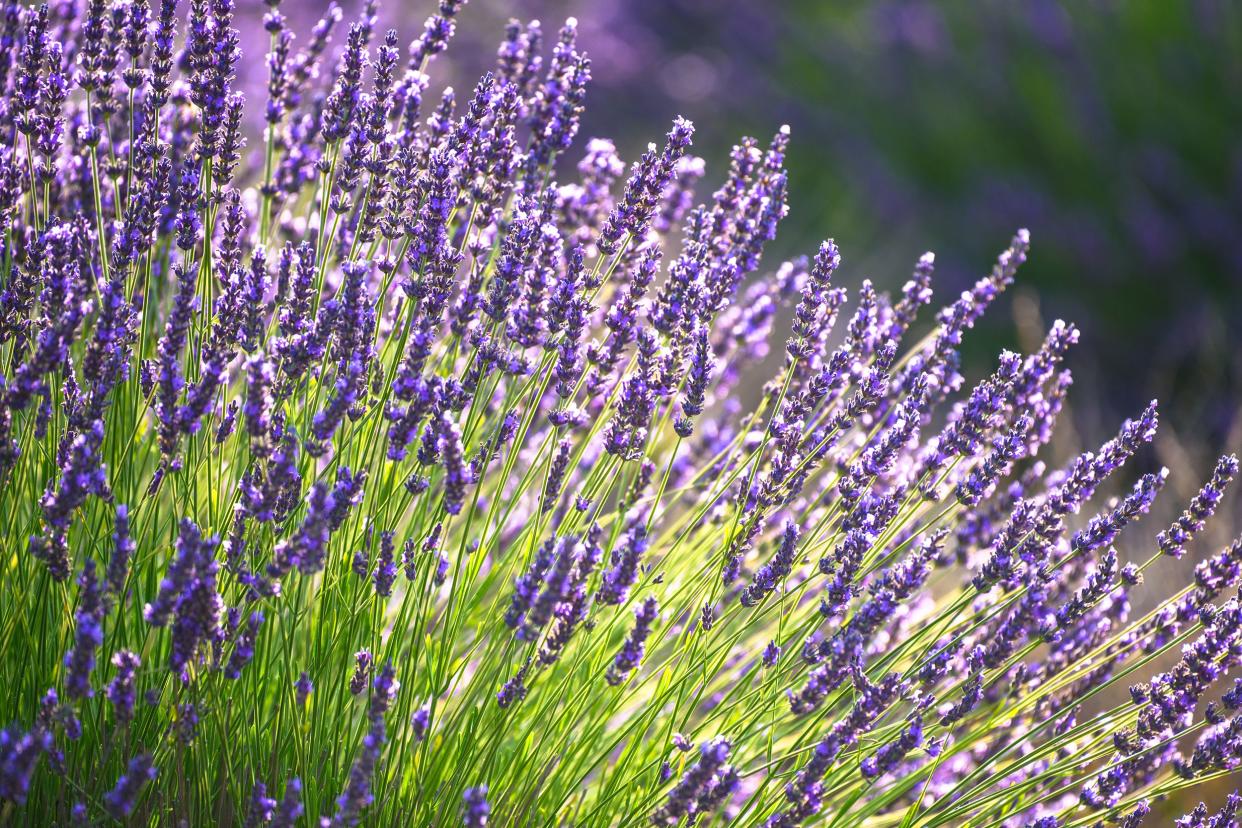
<point x="1112" y="129"/>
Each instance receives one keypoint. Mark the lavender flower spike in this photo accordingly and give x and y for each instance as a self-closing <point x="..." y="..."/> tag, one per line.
<point x="775" y="570"/>
<point x="1173" y="540"/>
<point x="120" y="801"/>
<point x="632" y="650"/>
<point x="88" y="635"/>
<point x="476" y="810"/>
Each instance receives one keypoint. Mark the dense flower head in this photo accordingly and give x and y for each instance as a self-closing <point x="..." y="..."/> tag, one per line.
<point x="120" y="801"/>
<point x="88" y="635"/>
<point x="262" y="807"/>
<point x="1173" y="540"/>
<point x="702" y="787"/>
<point x="20" y="752"/>
<point x="303" y="687"/>
<point x="475" y="808"/>
<point x="290" y="808"/>
<point x="632" y="650"/>
<point x="362" y="669"/>
<point x="280" y="328"/>
<point x="121" y="690"/>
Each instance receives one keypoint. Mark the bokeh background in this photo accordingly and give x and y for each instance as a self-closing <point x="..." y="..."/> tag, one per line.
<point x="1112" y="129"/>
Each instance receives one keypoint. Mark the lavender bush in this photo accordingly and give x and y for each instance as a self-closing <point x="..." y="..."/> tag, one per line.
<point x="377" y="475"/>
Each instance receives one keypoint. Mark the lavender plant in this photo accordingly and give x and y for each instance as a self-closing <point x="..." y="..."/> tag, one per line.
<point x="395" y="470"/>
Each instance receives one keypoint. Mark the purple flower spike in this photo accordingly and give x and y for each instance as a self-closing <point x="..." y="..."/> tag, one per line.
<point x="625" y="564"/>
<point x="290" y="809"/>
<point x="120" y="801"/>
<point x="1173" y="540"/>
<point x="476" y="810"/>
<point x="243" y="651"/>
<point x="262" y="807"/>
<point x="87" y="635"/>
<point x="121" y="690"/>
<point x="775" y="570"/>
<point x="700" y="788"/>
<point x="19" y="755"/>
<point x="302" y="688"/>
<point x="635" y="643"/>
<point x="420" y="721"/>
<point x="386" y="567"/>
<point x="362" y="670"/>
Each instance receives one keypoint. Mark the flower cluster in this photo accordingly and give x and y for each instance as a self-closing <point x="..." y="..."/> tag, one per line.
<point x="366" y="377"/>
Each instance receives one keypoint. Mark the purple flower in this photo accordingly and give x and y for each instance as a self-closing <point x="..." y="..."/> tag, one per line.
<point x="804" y="792"/>
<point x="886" y="759"/>
<point x="564" y="601"/>
<point x="87" y="635"/>
<point x="1174" y="692"/>
<point x="456" y="472"/>
<point x="1216" y="574"/>
<point x="185" y="726"/>
<point x="526" y="587"/>
<point x="361" y="564"/>
<point x="556" y="475"/>
<point x="1224" y="818"/>
<point x="82" y="473"/>
<point x="1005" y="450"/>
<point x="187" y="596"/>
<point x="342" y="104"/>
<point x="243" y="651"/>
<point x="701" y="367"/>
<point x="262" y="807"/>
<point x="1173" y="540"/>
<point x="358" y="794"/>
<point x="1218" y="748"/>
<point x="1136" y="816"/>
<point x="1100" y="582"/>
<point x="645" y="188"/>
<point x="120" y="801"/>
<point x="302" y="688"/>
<point x="475" y="811"/>
<point x="171" y="379"/>
<point x="696" y="792"/>
<point x="775" y="570"/>
<point x="120" y="691"/>
<point x="419" y="722"/>
<point x="626" y="435"/>
<point x="362" y="670"/>
<point x="625" y="563"/>
<point x="19" y="755"/>
<point x="1104" y="528"/>
<point x="631" y="653"/>
<point x="290" y="809"/>
<point x="514" y="690"/>
<point x="326" y="511"/>
<point x="386" y="566"/>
